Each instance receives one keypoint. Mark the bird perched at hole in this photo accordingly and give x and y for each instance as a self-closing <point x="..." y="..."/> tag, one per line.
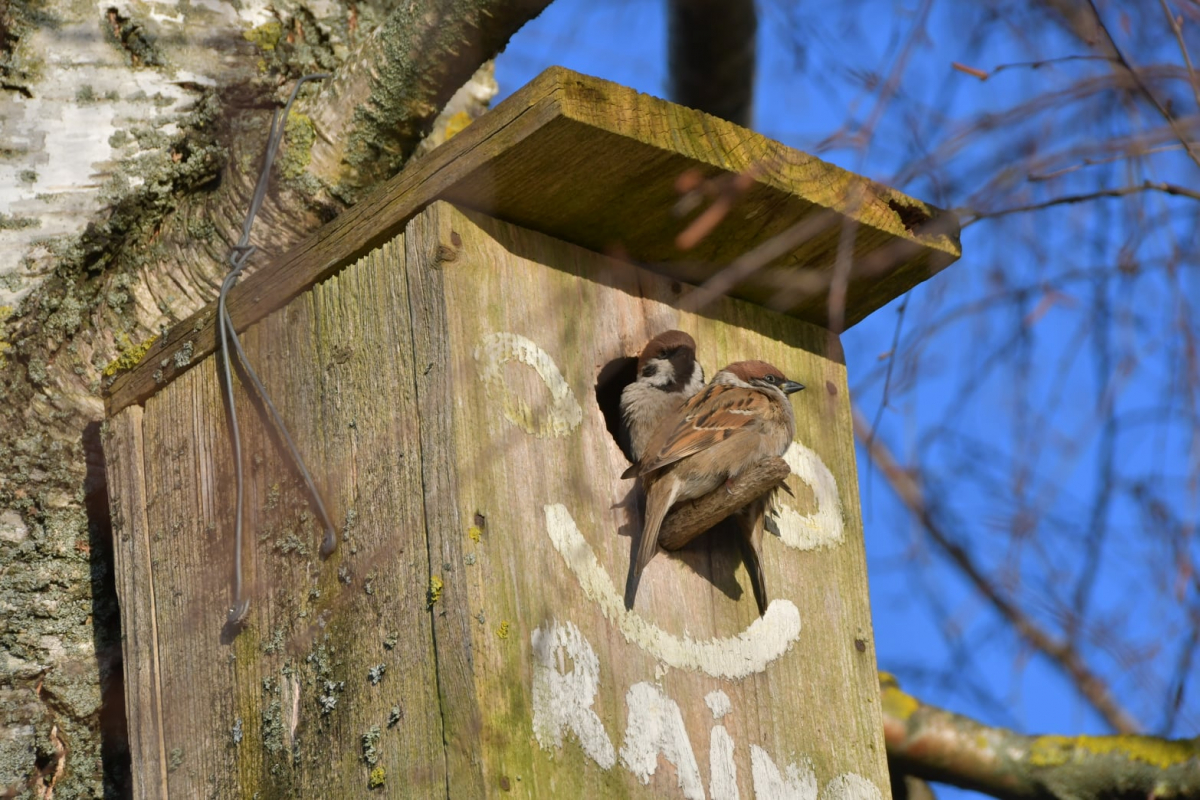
<point x="668" y="375"/>
<point x="740" y="418"/>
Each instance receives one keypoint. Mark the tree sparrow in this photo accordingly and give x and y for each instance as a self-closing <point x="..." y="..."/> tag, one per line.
<point x="740" y="418"/>
<point x="668" y="375"/>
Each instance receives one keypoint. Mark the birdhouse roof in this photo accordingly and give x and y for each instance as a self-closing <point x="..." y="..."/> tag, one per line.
<point x="607" y="168"/>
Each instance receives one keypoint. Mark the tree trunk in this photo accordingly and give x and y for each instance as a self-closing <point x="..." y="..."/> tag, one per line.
<point x="132" y="139"/>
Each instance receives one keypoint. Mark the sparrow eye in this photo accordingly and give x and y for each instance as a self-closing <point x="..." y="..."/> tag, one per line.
<point x="771" y="379"/>
<point x="649" y="371"/>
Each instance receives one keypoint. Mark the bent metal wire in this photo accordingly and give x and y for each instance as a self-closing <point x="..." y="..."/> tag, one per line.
<point x="239" y="254"/>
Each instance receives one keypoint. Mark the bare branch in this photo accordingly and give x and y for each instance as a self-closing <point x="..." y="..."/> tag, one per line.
<point x="1146" y="186"/>
<point x="983" y="74"/>
<point x="1145" y="88"/>
<point x="937" y="745"/>
<point x="906" y="487"/>
<point x="1037" y="177"/>
<point x="1187" y="58"/>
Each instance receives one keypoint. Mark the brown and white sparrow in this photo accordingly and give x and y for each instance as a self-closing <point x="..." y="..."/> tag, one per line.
<point x="667" y="376"/>
<point x="740" y="418"/>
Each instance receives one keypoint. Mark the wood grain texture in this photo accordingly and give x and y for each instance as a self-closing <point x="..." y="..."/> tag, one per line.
<point x="123" y="454"/>
<point x="530" y="323"/>
<point x="595" y="164"/>
<point x="334" y="675"/>
<point x="430" y="249"/>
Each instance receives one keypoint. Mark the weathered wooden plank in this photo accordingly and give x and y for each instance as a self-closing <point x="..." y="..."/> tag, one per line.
<point x="123" y="456"/>
<point x="692" y="693"/>
<point x="430" y="248"/>
<point x="603" y="173"/>
<point x="594" y="163"/>
<point x="331" y="686"/>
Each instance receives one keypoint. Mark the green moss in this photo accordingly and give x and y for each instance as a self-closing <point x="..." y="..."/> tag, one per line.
<point x="1052" y="751"/>
<point x="131" y="354"/>
<point x="135" y="43"/>
<point x="5" y="313"/>
<point x="898" y="704"/>
<point x="322" y="662"/>
<point x="435" y="590"/>
<point x="272" y="718"/>
<point x="370" y="745"/>
<point x="456" y="124"/>
<point x="266" y="36"/>
<point x="183" y="356"/>
<point x="375" y="674"/>
<point x="299" y="134"/>
<point x="13" y="223"/>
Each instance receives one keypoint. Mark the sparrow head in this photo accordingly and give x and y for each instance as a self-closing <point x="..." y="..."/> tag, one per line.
<point x="668" y="362"/>
<point x="758" y="375"/>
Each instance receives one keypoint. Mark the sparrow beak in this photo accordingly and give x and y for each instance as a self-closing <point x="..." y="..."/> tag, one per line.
<point x="790" y="387"/>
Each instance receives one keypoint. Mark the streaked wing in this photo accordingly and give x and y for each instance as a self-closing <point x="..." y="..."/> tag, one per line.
<point x="712" y="416"/>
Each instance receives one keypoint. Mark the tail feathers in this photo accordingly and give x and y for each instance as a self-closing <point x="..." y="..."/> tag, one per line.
<point x="660" y="497"/>
<point x="751" y="520"/>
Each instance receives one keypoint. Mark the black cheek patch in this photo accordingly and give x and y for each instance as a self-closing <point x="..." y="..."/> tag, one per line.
<point x="685" y="364"/>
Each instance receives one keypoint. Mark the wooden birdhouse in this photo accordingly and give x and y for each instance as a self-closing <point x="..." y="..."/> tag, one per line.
<point x="447" y="355"/>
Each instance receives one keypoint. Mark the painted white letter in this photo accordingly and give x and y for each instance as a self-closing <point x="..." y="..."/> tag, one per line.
<point x="655" y="726"/>
<point x="823" y="527"/>
<point x="851" y="786"/>
<point x="562" y="701"/>
<point x="769" y="784"/>
<point x="722" y="779"/>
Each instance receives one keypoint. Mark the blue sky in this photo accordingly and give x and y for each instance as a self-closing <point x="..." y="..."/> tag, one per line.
<point x="931" y="629"/>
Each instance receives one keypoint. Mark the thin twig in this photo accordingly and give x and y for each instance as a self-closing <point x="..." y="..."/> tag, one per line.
<point x="1123" y="191"/>
<point x="1094" y="162"/>
<point x="983" y="74"/>
<point x="748" y="264"/>
<point x="1187" y="59"/>
<point x="1144" y="88"/>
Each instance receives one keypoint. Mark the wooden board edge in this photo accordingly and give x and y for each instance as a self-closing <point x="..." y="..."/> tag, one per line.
<point x="922" y="224"/>
<point x="429" y="243"/>
<point x="125" y="467"/>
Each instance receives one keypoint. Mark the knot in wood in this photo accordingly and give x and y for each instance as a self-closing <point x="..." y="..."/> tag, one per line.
<point x="445" y="254"/>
